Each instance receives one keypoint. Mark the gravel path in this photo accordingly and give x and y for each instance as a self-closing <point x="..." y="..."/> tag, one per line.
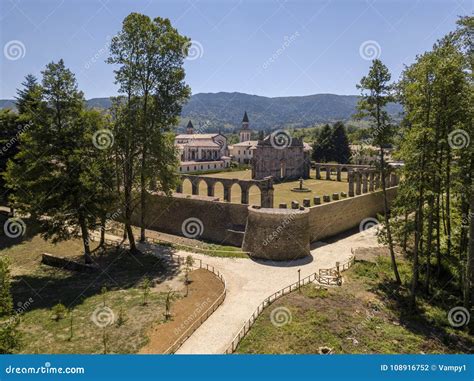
<point x="250" y="282"/>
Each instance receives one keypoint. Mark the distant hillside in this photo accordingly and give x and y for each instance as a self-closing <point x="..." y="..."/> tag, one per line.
<point x="225" y="110"/>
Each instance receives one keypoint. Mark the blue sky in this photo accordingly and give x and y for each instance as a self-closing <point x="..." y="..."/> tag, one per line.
<point x="271" y="48"/>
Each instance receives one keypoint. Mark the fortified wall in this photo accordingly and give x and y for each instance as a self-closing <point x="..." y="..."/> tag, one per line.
<point x="270" y="233"/>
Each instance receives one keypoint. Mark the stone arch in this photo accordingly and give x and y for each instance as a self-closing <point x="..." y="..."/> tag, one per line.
<point x="187" y="185"/>
<point x="202" y="186"/>
<point x="219" y="190"/>
<point x="255" y="195"/>
<point x="236" y="193"/>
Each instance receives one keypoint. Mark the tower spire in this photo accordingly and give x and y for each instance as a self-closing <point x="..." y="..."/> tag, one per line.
<point x="245" y="131"/>
<point x="190" y="128"/>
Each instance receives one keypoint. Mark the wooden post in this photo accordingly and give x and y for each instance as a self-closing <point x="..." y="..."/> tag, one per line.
<point x="299" y="280"/>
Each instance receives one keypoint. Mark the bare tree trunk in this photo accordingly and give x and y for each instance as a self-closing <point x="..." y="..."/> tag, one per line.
<point x="387" y="220"/>
<point x="405" y="232"/>
<point x="429" y="245"/>
<point x="142" y="198"/>
<point x="469" y="284"/>
<point x="143" y="169"/>
<point x="418" y="236"/>
<point x="438" y="234"/>
<point x="102" y="231"/>
<point x="448" y="203"/>
<point x="128" y="214"/>
<point x="469" y="270"/>
<point x="85" y="238"/>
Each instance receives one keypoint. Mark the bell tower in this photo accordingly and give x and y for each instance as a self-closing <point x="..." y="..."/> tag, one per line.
<point x="190" y="128"/>
<point x="245" y="132"/>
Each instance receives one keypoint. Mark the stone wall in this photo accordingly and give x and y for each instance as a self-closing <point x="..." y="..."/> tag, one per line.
<point x="277" y="234"/>
<point x="335" y="217"/>
<point x="222" y="222"/>
<point x="270" y="233"/>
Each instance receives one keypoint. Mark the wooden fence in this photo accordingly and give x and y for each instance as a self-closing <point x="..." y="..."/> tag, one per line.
<point x="286" y="290"/>
<point x="182" y="261"/>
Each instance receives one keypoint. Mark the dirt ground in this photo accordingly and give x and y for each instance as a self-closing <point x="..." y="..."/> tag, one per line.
<point x="204" y="289"/>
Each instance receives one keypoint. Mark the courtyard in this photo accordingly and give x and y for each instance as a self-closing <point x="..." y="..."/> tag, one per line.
<point x="282" y="193"/>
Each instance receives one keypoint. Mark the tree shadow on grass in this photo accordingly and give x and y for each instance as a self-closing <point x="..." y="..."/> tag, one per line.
<point x="418" y="321"/>
<point x="31" y="229"/>
<point x="118" y="270"/>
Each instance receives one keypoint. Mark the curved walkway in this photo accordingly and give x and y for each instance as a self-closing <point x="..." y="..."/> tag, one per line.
<point x="250" y="282"/>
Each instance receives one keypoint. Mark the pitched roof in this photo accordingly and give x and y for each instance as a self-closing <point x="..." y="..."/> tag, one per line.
<point x="246" y="143"/>
<point x="196" y="136"/>
<point x="190" y="124"/>
<point x="246" y="118"/>
<point x="203" y="143"/>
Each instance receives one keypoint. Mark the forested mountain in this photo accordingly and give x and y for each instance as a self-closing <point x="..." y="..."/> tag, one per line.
<point x="213" y="111"/>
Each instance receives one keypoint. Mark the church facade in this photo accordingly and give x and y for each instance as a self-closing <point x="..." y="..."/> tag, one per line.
<point x="290" y="162"/>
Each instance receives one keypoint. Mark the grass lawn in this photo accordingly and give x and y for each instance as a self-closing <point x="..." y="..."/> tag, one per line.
<point x="282" y="193"/>
<point x="362" y="316"/>
<point x="113" y="295"/>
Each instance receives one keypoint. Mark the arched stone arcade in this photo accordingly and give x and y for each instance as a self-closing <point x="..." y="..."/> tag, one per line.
<point x="265" y="186"/>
